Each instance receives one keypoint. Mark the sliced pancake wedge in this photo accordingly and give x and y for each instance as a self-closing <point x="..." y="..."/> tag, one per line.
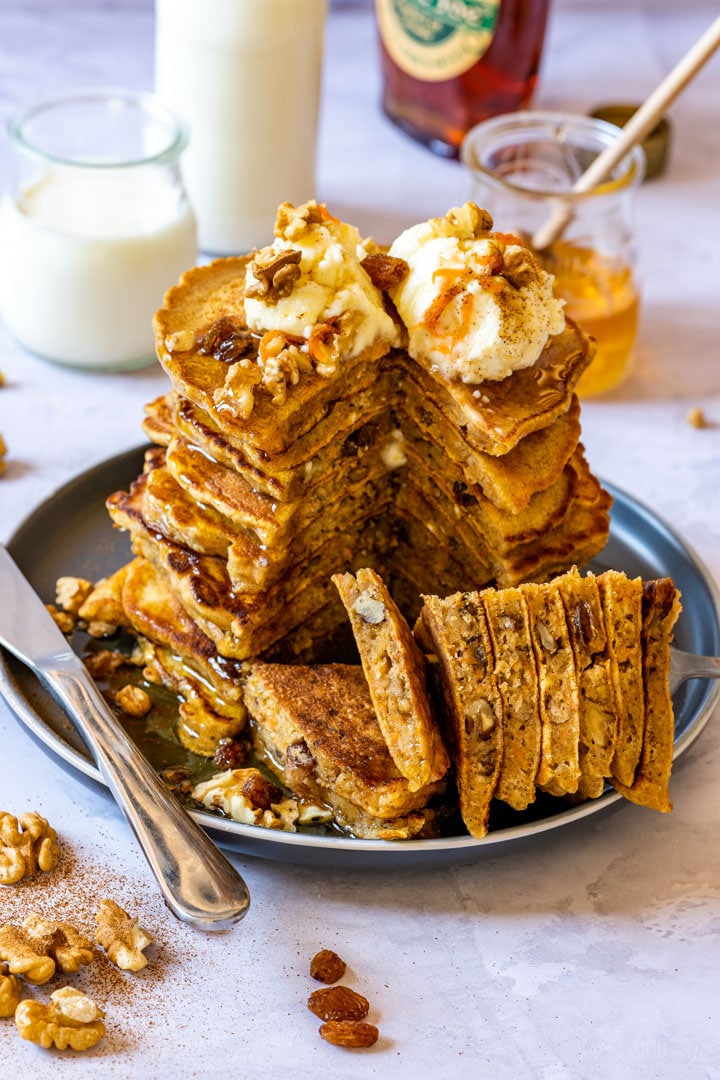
<point x="660" y="610"/>
<point x="598" y="716"/>
<point x="516" y="679"/>
<point x="396" y="675"/>
<point x="454" y="630"/>
<point x="315" y="727"/>
<point x="622" y="610"/>
<point x="559" y="768"/>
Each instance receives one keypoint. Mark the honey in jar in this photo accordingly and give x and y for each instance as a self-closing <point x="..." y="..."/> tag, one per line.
<point x="448" y="64"/>
<point x="523" y="168"/>
<point x="600" y="294"/>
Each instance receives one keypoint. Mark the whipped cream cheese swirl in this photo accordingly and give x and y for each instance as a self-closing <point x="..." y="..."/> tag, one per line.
<point x="476" y="303"/>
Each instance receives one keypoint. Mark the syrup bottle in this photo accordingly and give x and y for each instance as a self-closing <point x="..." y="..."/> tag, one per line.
<point x="448" y="64"/>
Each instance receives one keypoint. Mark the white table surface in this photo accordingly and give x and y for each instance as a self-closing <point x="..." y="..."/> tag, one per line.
<point x="593" y="950"/>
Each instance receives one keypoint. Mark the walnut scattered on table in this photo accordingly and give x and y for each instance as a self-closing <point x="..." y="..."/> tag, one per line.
<point x="27" y="844"/>
<point x="10" y="992"/>
<point x="71" y="1021"/>
<point x="122" y="938"/>
<point x="69" y="948"/>
<point x="22" y="958"/>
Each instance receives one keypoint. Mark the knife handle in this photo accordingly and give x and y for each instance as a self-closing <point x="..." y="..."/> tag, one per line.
<point x="199" y="885"/>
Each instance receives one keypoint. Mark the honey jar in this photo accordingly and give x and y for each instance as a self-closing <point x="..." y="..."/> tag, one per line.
<point x="522" y="168"/>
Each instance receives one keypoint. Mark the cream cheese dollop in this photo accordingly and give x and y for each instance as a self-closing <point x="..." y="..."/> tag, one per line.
<point x="328" y="287"/>
<point x="476" y="303"/>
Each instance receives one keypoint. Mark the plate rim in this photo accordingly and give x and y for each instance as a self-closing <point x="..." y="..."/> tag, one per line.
<point x="452" y="848"/>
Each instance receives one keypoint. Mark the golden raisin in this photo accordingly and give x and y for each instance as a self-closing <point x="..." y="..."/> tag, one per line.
<point x="326" y="966"/>
<point x="352" y="1033"/>
<point x="338" y="1003"/>
<point x="385" y="271"/>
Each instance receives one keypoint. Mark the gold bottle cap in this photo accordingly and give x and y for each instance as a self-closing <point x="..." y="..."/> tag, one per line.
<point x="655" y="144"/>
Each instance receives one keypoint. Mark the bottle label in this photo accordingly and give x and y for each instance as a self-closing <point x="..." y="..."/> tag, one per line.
<point x="436" y="40"/>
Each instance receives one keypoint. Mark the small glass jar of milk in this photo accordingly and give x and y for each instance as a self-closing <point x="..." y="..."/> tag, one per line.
<point x="94" y="228"/>
<point x="246" y="76"/>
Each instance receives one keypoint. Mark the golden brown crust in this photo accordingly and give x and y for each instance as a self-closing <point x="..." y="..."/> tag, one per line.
<point x="316" y="728"/>
<point x="395" y="671"/>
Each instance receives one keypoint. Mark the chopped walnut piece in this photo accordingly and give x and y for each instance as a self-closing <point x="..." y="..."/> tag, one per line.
<point x="67" y="946"/>
<point x="696" y="418"/>
<point x="27" y="844"/>
<point x="275" y="274"/>
<point x="520" y="268"/>
<point x="327" y="967"/>
<point x="98" y="628"/>
<point x="72" y="1020"/>
<point x="2" y="378"/>
<point x="121" y="937"/>
<point x="132" y="700"/>
<point x="10" y="992"/>
<point x="180" y="341"/>
<point x="292" y="221"/>
<point x="350" y="1033"/>
<point x="472" y="217"/>
<point x="21" y="958"/>
<point x="3" y="452"/>
<point x="282" y="357"/>
<point x="369" y="609"/>
<point x="104" y="662"/>
<point x="62" y="619"/>
<point x="71" y="593"/>
<point x="385" y="271"/>
<point x="177" y="780"/>
<point x="236" y="395"/>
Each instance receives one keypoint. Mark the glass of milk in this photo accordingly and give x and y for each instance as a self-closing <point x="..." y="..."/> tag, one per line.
<point x="246" y="77"/>
<point x="94" y="228"/>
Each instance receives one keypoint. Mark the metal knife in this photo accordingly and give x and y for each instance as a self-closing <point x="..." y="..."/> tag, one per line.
<point x="199" y="885"/>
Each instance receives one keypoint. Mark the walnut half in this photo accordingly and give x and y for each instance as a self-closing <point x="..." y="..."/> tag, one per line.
<point x="67" y="946"/>
<point x="27" y="844"/>
<point x="121" y="937"/>
<point x="10" y="991"/>
<point x="72" y="1020"/>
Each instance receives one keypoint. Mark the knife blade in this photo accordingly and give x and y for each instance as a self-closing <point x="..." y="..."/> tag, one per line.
<point x="200" y="886"/>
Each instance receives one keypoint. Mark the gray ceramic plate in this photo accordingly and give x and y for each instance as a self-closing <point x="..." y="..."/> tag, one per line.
<point x="70" y="533"/>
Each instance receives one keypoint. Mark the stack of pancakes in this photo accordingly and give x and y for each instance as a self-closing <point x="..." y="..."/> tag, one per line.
<point x="241" y="517"/>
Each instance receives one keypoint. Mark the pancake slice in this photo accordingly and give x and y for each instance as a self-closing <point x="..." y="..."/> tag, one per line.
<point x="455" y="631"/>
<point x="598" y="717"/>
<point x="660" y="610"/>
<point x="517" y="682"/>
<point x="559" y="769"/>
<point x="622" y="609"/>
<point x="395" y="670"/>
